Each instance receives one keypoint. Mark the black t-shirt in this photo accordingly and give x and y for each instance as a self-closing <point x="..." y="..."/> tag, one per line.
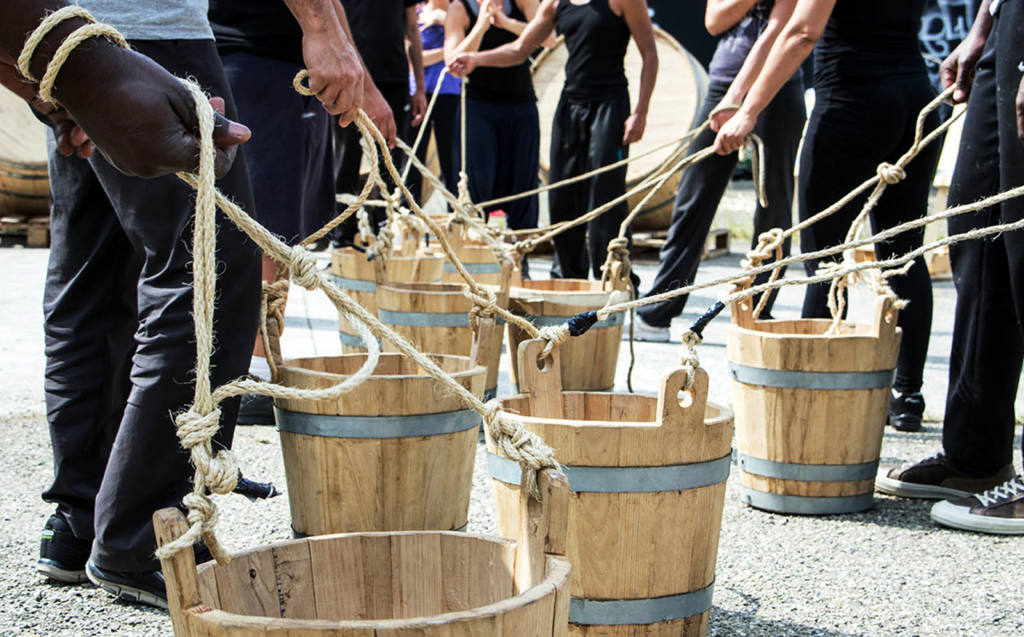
<point x="596" y="40"/>
<point x="378" y="28"/>
<point x="868" y="39"/>
<point x="263" y="27"/>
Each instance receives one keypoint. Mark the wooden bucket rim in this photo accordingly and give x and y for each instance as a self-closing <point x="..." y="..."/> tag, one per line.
<point x="427" y="255"/>
<point x="724" y="413"/>
<point x="556" y="577"/>
<point x="438" y="289"/>
<point x="472" y="368"/>
<point x="592" y="294"/>
<point x="824" y="323"/>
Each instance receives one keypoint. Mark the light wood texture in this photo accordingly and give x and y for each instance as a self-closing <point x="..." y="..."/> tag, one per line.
<point x="423" y="266"/>
<point x="633" y="545"/>
<point x="804" y="426"/>
<point x="422" y="584"/>
<point x="24" y="183"/>
<point x="589" y="360"/>
<point x="473" y="251"/>
<point x="369" y="484"/>
<point x="676" y="101"/>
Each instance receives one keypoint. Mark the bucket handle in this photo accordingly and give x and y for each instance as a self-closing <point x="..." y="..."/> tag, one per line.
<point x="885" y="317"/>
<point x="180" y="575"/>
<point x="488" y="335"/>
<point x="543" y="527"/>
<point x="541" y="379"/>
<point x="689" y="414"/>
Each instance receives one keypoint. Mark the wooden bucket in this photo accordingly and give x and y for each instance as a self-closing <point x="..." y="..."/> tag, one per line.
<point x="396" y="454"/>
<point x="24" y="182"/>
<point x="588" y="361"/>
<point x="358" y="277"/>
<point x="435" y="318"/>
<point x="427" y="584"/>
<point x="647" y="475"/>
<point x="478" y="258"/>
<point x="810" y="409"/>
<point x="675" y="104"/>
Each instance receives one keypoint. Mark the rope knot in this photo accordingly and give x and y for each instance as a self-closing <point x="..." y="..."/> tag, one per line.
<point x="195" y="429"/>
<point x="690" y="360"/>
<point x="890" y="173"/>
<point x="304" y="268"/>
<point x="483" y="306"/>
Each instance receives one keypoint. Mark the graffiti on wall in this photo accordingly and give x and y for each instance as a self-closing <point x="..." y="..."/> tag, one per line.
<point x="944" y="25"/>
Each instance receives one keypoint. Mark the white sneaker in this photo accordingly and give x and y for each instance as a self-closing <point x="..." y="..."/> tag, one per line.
<point x="643" y="331"/>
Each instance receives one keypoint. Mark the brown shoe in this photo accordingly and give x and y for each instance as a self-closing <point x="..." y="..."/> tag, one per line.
<point x="935" y="479"/>
<point x="999" y="510"/>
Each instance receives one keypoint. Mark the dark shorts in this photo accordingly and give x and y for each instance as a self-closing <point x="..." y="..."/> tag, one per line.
<point x="289" y="156"/>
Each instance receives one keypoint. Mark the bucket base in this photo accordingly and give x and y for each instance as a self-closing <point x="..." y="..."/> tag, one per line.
<point x="298" y="535"/>
<point x="805" y="505"/>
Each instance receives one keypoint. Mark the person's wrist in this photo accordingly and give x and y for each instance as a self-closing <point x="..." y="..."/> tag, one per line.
<point x="87" y="72"/>
<point x="49" y="45"/>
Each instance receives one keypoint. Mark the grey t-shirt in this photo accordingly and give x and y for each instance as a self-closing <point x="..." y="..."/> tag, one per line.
<point x="153" y="19"/>
<point x="735" y="44"/>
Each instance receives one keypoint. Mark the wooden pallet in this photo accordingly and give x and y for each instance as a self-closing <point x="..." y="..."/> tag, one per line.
<point x="36" y="230"/>
<point x="646" y="243"/>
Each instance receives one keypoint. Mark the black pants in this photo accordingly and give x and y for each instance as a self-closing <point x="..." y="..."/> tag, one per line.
<point x="847" y="137"/>
<point x="702" y="186"/>
<point x="985" y="360"/>
<point x="586" y="135"/>
<point x="120" y="346"/>
<point x="503" y="149"/>
<point x="443" y="122"/>
<point x="348" y="154"/>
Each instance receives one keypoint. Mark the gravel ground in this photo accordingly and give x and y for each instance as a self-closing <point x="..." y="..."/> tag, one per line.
<point x="888" y="571"/>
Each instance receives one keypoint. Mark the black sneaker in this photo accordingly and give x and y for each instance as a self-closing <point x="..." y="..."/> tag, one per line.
<point x="906" y="411"/>
<point x="256" y="410"/>
<point x="999" y="510"/>
<point x="144" y="588"/>
<point x="935" y="478"/>
<point x="62" y="556"/>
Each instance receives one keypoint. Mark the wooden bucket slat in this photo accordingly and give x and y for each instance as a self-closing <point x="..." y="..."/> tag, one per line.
<point x="24" y="182"/>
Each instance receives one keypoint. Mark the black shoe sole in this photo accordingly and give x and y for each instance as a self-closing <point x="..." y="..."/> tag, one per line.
<point x="123" y="591"/>
<point x="905" y="422"/>
<point x="59" y="573"/>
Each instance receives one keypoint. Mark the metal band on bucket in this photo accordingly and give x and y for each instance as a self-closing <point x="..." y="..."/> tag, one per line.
<point x="679" y="477"/>
<point x="651" y="610"/>
<point x="355" y="285"/>
<point x="448" y="422"/>
<point x="807" y="505"/>
<point x="789" y="379"/>
<point x="473" y="268"/>
<point x="619" y="318"/>
<point x="424" y="319"/>
<point x="808" y="472"/>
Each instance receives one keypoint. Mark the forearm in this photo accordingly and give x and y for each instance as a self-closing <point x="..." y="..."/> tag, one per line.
<point x="469" y="44"/>
<point x="314" y="16"/>
<point x="753" y="64"/>
<point x="648" y="76"/>
<point x="982" y="26"/>
<point x="432" y="56"/>
<point x="414" y="46"/>
<point x="722" y="15"/>
<point x="509" y="54"/>
<point x="18" y="18"/>
<point x="786" y="56"/>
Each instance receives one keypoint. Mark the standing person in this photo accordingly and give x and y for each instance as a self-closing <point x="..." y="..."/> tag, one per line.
<point x="120" y="342"/>
<point x="290" y="161"/>
<point x="502" y="125"/>
<point x="442" y="120"/>
<point x="869" y="54"/>
<point x="974" y="473"/>
<point x="386" y="33"/>
<point x="750" y="28"/>
<point x="593" y="126"/>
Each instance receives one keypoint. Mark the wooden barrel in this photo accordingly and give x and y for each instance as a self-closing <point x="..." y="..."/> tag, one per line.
<point x="811" y="409"/>
<point x="24" y="183"/>
<point x="647" y="475"/>
<point x="588" y="361"/>
<point x="675" y="104"/>
<point x="427" y="584"/>
<point x="396" y="454"/>
<point x="358" y="277"/>
<point x="435" y="318"/>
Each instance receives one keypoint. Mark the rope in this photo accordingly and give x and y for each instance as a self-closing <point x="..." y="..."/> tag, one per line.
<point x="423" y="123"/>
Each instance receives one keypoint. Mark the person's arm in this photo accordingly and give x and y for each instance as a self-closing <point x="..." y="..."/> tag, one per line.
<point x="958" y="68"/>
<point x="754" y="62"/>
<point x="529" y="9"/>
<point x="432" y="56"/>
<point x="140" y="116"/>
<point x="639" y="22"/>
<point x="414" y="51"/>
<point x="374" y="104"/>
<point x="513" y="53"/>
<point x="722" y="15"/>
<point x="797" y="41"/>
<point x="459" y="35"/>
<point x="335" y="69"/>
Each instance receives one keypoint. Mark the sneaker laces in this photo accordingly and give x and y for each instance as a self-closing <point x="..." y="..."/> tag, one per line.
<point x="1003" y="492"/>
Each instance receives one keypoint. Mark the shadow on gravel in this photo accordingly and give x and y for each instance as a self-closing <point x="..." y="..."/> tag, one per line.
<point x="900" y="513"/>
<point x="728" y="623"/>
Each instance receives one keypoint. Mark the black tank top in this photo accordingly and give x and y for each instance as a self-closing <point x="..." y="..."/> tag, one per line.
<point x="868" y="39"/>
<point x="511" y="85"/>
<point x="596" y="40"/>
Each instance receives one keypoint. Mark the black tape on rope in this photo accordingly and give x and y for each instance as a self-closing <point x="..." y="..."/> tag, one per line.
<point x="582" y="322"/>
<point x="699" y="325"/>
